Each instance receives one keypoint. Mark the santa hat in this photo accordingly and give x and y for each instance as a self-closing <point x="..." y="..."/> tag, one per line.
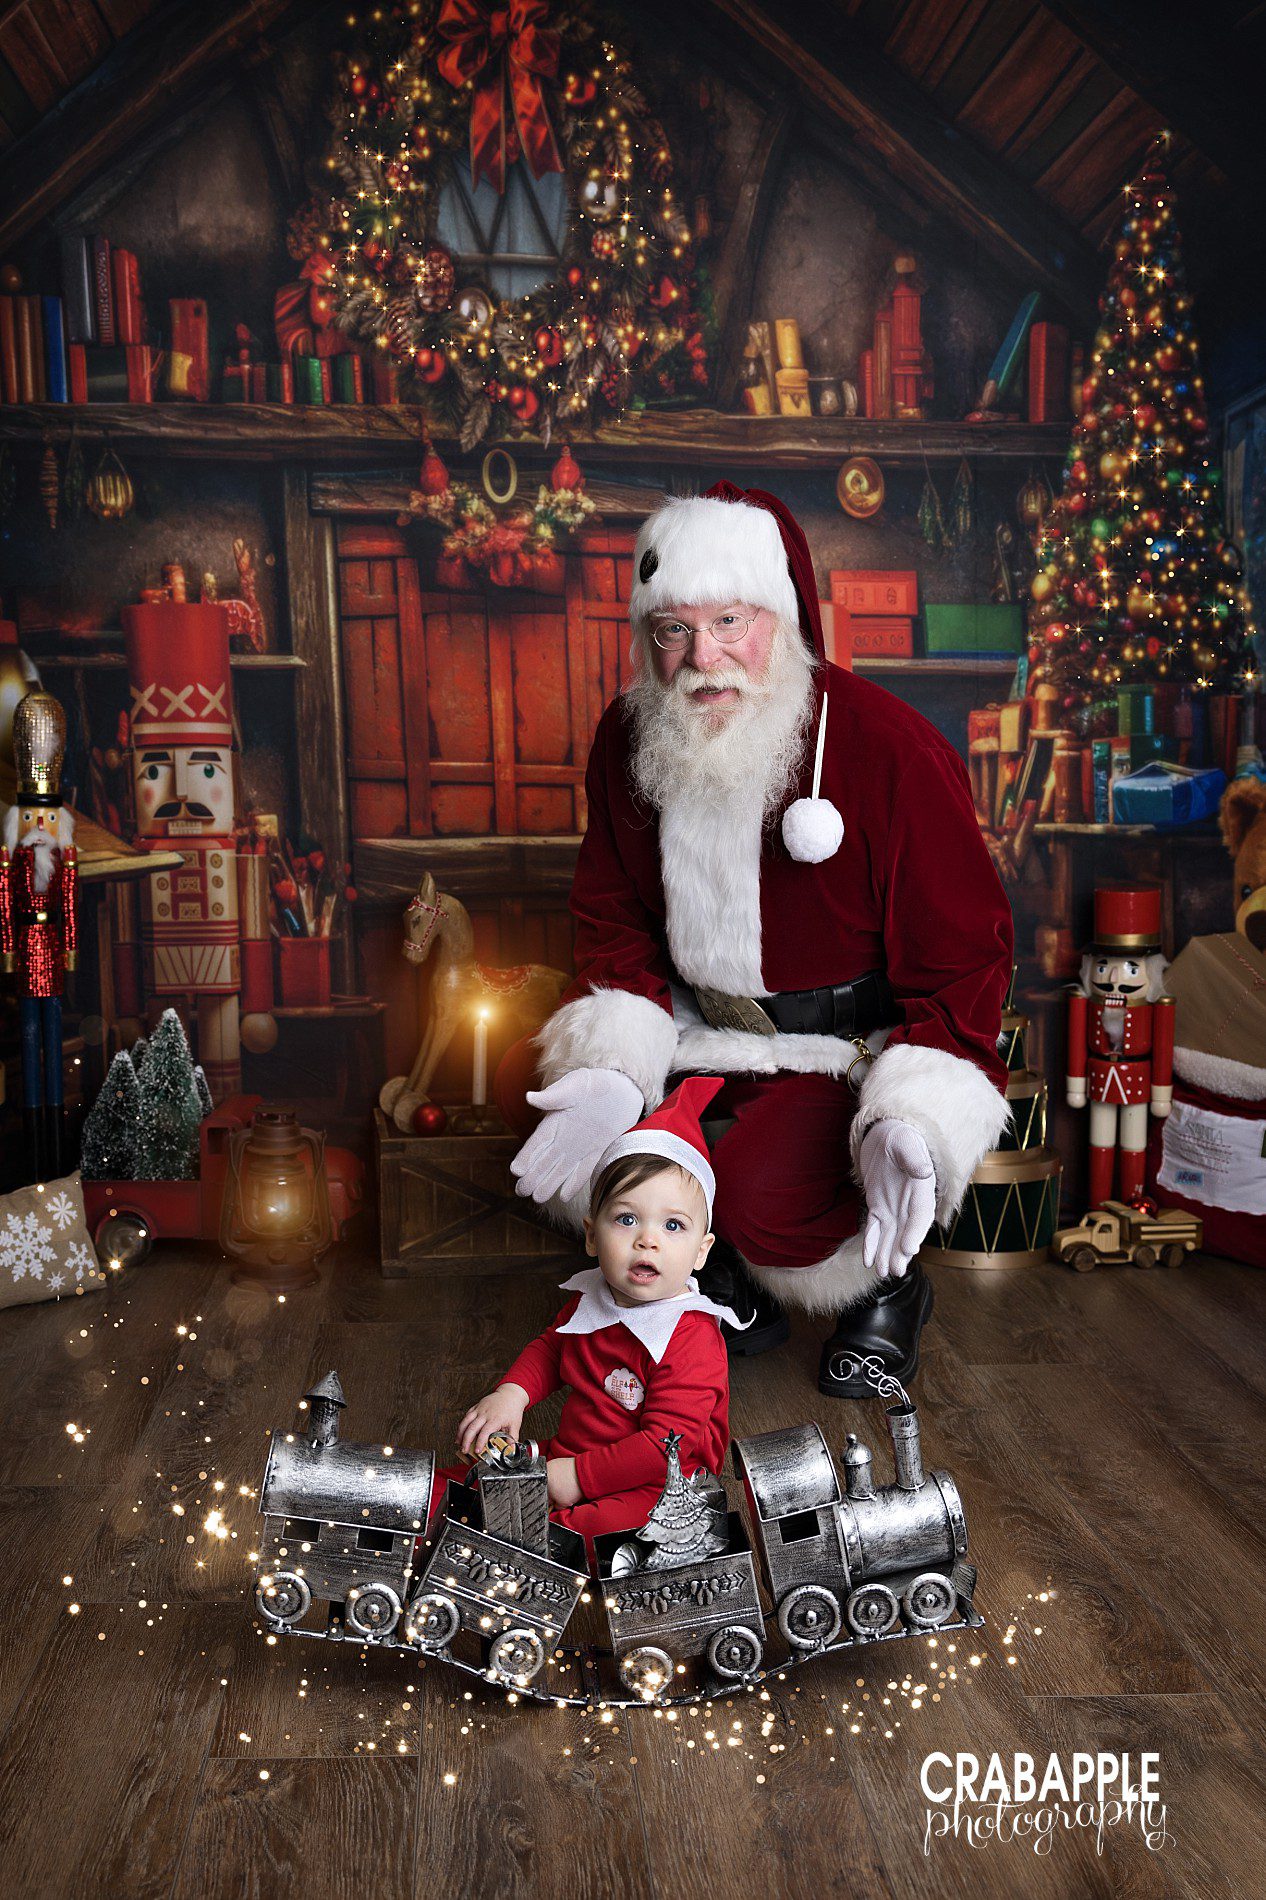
<point x="673" y="1133"/>
<point x="728" y="545"/>
<point x="741" y="544"/>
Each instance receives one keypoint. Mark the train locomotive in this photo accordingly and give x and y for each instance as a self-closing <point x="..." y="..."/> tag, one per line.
<point x="345" y="1524"/>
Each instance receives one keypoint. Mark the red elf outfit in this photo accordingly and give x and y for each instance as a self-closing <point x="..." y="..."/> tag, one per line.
<point x="636" y="1372"/>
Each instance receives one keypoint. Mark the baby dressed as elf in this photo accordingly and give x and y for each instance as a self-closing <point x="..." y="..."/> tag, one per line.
<point x="637" y="1344"/>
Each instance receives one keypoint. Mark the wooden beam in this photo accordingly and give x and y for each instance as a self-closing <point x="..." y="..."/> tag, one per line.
<point x="841" y="74"/>
<point x="312" y="591"/>
<point x="376" y="494"/>
<point x="1204" y="87"/>
<point x="388" y="869"/>
<point x="735" y="269"/>
<point x="156" y="69"/>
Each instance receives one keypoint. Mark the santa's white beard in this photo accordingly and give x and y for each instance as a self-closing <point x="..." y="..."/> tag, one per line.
<point x="681" y="748"/>
<point x="35" y="839"/>
<point x="45" y="856"/>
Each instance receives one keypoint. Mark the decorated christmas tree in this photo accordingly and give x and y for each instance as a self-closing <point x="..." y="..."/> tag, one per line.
<point x="499" y="215"/>
<point x="203" y="1088"/>
<point x="108" y="1143"/>
<point x="170" y="1109"/>
<point x="685" y="1522"/>
<point x="1136" y="580"/>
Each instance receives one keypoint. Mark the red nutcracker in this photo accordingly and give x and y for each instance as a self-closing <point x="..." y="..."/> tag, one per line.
<point x="39" y="880"/>
<point x="202" y="933"/>
<point x="1121" y="1036"/>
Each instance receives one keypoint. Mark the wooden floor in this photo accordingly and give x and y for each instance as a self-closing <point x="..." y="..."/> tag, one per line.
<point x="1105" y="1431"/>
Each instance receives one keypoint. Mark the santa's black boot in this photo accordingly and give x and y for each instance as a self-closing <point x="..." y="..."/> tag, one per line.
<point x="886" y="1327"/>
<point x="724" y="1280"/>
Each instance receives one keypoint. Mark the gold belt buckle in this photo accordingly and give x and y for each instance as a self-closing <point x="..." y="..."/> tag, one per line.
<point x="864" y="1054"/>
<point x="734" y="1012"/>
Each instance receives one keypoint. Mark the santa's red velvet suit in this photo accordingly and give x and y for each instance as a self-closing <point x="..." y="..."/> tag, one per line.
<point x="666" y="902"/>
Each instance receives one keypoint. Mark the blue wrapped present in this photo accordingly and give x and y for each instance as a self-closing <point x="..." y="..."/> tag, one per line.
<point x="1167" y="795"/>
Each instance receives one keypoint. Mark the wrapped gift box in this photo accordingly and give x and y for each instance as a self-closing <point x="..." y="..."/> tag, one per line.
<point x="1167" y="795"/>
<point x="974" y="629"/>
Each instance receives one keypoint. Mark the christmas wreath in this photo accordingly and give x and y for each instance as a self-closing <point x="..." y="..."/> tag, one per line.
<point x="513" y="546"/>
<point x="450" y="83"/>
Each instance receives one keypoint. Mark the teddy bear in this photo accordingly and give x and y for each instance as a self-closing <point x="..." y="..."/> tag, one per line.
<point x="1242" y="815"/>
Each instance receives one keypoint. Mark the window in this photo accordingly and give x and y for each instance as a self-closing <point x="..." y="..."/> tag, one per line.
<point x="799" y="1528"/>
<point x="512" y="241"/>
<point x="375" y="1540"/>
<point x="302" y="1529"/>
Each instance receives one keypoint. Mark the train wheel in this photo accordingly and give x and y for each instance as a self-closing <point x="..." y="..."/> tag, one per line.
<point x="517" y="1656"/>
<point x="647" y="1671"/>
<point x="1173" y="1255"/>
<point x="872" y="1609"/>
<point x="283" y="1598"/>
<point x="735" y="1652"/>
<point x="929" y="1601"/>
<point x="809" y="1617"/>
<point x="434" y="1621"/>
<point x="373" y="1611"/>
<point x="1145" y="1256"/>
<point x="123" y="1240"/>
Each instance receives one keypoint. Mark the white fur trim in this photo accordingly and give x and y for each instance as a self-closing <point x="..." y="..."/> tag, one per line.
<point x="1220" y="1074"/>
<point x="712" y="550"/>
<point x="830" y="1286"/>
<point x="951" y="1102"/>
<point x="611" y="1029"/>
<point x="742" y="1052"/>
<point x="710" y="861"/>
<point x="670" y="1147"/>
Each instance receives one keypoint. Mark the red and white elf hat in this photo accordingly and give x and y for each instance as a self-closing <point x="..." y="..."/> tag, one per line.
<point x="673" y="1132"/>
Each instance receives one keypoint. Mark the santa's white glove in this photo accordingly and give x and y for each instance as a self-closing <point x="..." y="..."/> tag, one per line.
<point x="584" y="1112"/>
<point x="900" y="1186"/>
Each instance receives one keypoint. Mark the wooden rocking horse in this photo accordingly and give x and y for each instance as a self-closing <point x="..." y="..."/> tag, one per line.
<point x="438" y="925"/>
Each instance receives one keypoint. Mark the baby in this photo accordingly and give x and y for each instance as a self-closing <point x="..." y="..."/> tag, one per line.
<point x="638" y="1345"/>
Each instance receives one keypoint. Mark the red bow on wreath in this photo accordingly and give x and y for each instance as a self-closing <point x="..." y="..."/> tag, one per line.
<point x="488" y="40"/>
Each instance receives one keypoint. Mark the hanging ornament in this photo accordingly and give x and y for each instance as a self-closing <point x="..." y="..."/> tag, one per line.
<point x="812" y="828"/>
<point x="566" y="473"/>
<point x="962" y="511"/>
<point x="1034" y="501"/>
<point x="474" y="308"/>
<point x="109" y="493"/>
<point x="600" y="199"/>
<point x="549" y="346"/>
<point x="433" y="479"/>
<point x="931" y="519"/>
<point x="435" y="280"/>
<point x="50" y="483"/>
<point x="604" y="244"/>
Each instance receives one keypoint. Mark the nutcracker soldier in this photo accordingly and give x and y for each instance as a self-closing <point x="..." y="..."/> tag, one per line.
<point x="1121" y="1036"/>
<point x="39" y="881"/>
<point x="202" y="933"/>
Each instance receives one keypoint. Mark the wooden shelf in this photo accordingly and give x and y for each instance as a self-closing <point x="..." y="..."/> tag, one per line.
<point x="989" y="667"/>
<point x="290" y="432"/>
<point x="249" y="662"/>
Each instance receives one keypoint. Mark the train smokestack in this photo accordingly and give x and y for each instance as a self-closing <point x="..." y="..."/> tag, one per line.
<point x="325" y="1402"/>
<point x="858" y="1477"/>
<point x="903" y="1423"/>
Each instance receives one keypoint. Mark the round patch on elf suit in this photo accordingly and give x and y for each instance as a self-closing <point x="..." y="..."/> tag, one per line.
<point x="625" y="1388"/>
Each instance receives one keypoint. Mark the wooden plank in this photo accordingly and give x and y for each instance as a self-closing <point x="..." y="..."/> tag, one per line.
<point x="733" y="276"/>
<point x="312" y="588"/>
<point x="501" y="702"/>
<point x="32" y="60"/>
<point x="1029" y="70"/>
<point x="581" y="730"/>
<point x="388" y="869"/>
<point x="413" y="675"/>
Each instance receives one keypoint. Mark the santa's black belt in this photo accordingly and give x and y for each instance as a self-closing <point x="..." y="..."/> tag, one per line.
<point x="838" y="1009"/>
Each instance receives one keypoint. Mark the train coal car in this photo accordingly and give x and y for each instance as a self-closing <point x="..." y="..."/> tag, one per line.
<point x="704" y="1611"/>
<point x="340" y="1524"/>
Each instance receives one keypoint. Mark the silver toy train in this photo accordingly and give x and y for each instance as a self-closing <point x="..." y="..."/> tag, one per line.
<point x="490" y="1583"/>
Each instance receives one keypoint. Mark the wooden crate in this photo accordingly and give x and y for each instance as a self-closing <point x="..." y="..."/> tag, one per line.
<point x="447" y="1202"/>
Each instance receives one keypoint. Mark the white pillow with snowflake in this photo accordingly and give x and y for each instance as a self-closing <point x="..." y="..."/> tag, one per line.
<point x="46" y="1250"/>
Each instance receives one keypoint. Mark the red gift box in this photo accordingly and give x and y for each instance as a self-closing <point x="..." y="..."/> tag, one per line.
<point x="869" y="591"/>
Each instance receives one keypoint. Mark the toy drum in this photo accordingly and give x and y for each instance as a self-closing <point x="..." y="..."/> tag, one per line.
<point x="1026" y="1097"/>
<point x="1009" y="1216"/>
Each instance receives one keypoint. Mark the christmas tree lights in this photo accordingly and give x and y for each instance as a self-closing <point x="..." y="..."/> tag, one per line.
<point x="1136" y="580"/>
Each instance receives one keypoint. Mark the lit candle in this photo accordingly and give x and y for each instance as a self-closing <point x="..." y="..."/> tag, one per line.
<point x="479" y="1073"/>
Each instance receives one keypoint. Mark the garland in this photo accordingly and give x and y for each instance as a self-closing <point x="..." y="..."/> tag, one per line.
<point x="451" y="82"/>
<point x="514" y="547"/>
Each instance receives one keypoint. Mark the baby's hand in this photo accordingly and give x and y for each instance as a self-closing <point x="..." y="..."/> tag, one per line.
<point x="560" y="1477"/>
<point x="500" y="1411"/>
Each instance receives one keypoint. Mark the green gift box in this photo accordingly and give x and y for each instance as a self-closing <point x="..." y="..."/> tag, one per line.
<point x="977" y="628"/>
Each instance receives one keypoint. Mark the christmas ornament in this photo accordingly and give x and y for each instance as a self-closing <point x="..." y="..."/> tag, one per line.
<point x="962" y="510"/>
<point x="600" y="199"/>
<point x="435" y="280"/>
<point x="549" y="346"/>
<point x="812" y="828"/>
<point x="931" y="519"/>
<point x="434" y="477"/>
<point x="859" y="487"/>
<point x="566" y="473"/>
<point x="474" y="307"/>
<point x="109" y="492"/>
<point x="429" y="1119"/>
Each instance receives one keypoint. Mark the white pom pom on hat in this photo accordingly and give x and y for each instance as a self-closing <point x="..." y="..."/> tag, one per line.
<point x="812" y="828"/>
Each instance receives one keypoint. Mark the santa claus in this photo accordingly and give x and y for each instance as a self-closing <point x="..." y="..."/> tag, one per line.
<point x="782" y="882"/>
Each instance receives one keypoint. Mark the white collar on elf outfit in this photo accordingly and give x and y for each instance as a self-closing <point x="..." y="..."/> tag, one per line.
<point x="652" y="1324"/>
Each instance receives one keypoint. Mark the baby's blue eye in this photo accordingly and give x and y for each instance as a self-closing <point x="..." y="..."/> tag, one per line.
<point x="622" y="1218"/>
<point x="673" y="1225"/>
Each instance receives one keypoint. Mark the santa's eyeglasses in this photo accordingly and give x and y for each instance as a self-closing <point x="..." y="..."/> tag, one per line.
<point x="670" y="636"/>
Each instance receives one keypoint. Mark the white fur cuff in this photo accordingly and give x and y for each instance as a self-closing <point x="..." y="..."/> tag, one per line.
<point x="833" y="1284"/>
<point x="611" y="1029"/>
<point x="1221" y="1075"/>
<point x="952" y="1103"/>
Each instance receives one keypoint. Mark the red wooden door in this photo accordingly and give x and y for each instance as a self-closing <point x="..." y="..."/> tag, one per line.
<point x="472" y="714"/>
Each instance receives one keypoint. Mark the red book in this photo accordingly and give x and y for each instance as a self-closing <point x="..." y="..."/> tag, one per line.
<point x="103" y="291"/>
<point x="385" y="378"/>
<point x="1048" y="372"/>
<point x="259" y="382"/>
<point x="867" y="372"/>
<point x="872" y="591"/>
<point x="36" y="318"/>
<point x="190" y="372"/>
<point x="327" y="380"/>
<point x="129" y="316"/>
<point x="141" y="371"/>
<point x="9" y="383"/>
<point x="78" y="365"/>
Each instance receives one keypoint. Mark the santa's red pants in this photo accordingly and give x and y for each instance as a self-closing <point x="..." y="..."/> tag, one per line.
<point x="785" y="1195"/>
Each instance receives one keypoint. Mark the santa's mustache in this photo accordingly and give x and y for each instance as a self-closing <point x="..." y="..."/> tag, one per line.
<point x="688" y="680"/>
